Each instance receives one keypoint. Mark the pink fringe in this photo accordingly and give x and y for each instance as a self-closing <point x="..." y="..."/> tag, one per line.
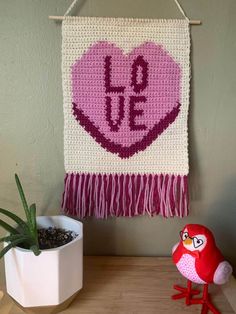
<point x="102" y="195"/>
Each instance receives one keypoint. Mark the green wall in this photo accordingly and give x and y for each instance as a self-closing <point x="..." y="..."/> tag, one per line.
<point x="31" y="119"/>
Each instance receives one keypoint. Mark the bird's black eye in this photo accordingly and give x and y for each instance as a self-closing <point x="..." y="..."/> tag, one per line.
<point x="183" y="235"/>
<point x="197" y="242"/>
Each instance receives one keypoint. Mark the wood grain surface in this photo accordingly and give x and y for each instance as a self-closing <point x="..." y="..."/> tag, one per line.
<point x="129" y="285"/>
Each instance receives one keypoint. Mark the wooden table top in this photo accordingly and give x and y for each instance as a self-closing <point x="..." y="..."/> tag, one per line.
<point x="128" y="285"/>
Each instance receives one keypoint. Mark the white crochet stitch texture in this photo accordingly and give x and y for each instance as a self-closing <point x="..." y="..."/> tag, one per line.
<point x="168" y="154"/>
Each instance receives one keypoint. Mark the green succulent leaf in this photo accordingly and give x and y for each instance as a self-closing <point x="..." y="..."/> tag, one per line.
<point x="14" y="237"/>
<point x="25" y="232"/>
<point x="32" y="211"/>
<point x="35" y="250"/>
<point x="22" y="196"/>
<point x="11" y="245"/>
<point x="8" y="228"/>
<point x="17" y="219"/>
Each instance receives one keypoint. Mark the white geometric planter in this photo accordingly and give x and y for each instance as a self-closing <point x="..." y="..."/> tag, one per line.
<point x="50" y="278"/>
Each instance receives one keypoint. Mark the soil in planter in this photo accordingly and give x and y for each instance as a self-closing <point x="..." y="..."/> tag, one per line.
<point x="54" y="237"/>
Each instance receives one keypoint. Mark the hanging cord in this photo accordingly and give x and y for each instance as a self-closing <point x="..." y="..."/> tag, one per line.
<point x="176" y="2"/>
<point x="181" y="10"/>
<point x="70" y="7"/>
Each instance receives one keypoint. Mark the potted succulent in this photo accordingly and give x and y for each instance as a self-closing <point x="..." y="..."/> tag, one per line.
<point x="43" y="257"/>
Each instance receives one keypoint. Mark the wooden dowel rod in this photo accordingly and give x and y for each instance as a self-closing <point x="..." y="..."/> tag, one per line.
<point x="60" y="18"/>
<point x="195" y="22"/>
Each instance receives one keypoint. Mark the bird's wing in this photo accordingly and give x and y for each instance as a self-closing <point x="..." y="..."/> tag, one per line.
<point x="175" y="247"/>
<point x="222" y="273"/>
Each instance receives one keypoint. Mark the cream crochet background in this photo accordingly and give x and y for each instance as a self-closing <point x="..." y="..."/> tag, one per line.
<point x="169" y="153"/>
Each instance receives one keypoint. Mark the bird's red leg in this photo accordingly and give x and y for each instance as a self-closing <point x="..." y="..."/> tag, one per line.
<point x="205" y="301"/>
<point x="185" y="293"/>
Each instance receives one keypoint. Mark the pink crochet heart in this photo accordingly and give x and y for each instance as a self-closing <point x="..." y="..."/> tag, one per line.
<point x="125" y="101"/>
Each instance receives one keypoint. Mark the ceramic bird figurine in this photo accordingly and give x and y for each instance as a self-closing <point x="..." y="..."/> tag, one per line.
<point x="200" y="261"/>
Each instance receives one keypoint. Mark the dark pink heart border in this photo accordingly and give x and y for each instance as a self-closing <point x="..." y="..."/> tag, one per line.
<point x="126" y="152"/>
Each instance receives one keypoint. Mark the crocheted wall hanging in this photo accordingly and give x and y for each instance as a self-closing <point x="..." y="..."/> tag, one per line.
<point x="126" y="98"/>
